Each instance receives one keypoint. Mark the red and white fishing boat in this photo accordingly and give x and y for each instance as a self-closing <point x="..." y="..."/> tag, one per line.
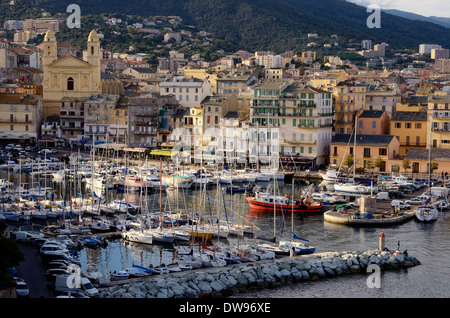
<point x="266" y="202"/>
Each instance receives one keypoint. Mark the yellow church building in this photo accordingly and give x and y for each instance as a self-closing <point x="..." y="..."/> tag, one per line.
<point x="69" y="76"/>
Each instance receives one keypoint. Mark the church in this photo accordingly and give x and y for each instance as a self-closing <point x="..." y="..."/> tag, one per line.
<point x="69" y="76"/>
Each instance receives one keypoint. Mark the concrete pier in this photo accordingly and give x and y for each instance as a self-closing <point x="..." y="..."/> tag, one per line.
<point x="226" y="281"/>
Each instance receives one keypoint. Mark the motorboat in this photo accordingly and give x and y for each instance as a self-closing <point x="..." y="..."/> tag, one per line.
<point x="178" y="181"/>
<point x="266" y="202"/>
<point x="354" y="188"/>
<point x="330" y="175"/>
<point x="135" y="184"/>
<point x="137" y="236"/>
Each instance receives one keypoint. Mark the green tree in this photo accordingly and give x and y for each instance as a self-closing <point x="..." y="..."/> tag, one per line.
<point x="434" y="166"/>
<point x="378" y="162"/>
<point x="369" y="164"/>
<point x="10" y="256"/>
<point x="406" y="164"/>
<point x="348" y="161"/>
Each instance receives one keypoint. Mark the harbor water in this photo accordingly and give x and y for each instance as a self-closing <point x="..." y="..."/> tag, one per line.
<point x="428" y="242"/>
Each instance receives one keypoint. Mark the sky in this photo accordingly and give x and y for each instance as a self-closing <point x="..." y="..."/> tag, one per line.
<point x="438" y="8"/>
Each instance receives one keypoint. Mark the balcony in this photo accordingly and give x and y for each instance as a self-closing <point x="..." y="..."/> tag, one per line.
<point x="149" y="133"/>
<point x="146" y="115"/>
<point x="299" y="142"/>
<point x="146" y="123"/>
<point x="15" y="121"/>
<point x="440" y="130"/>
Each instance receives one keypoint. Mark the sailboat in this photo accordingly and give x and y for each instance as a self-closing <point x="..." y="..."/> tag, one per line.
<point x="353" y="188"/>
<point x="427" y="213"/>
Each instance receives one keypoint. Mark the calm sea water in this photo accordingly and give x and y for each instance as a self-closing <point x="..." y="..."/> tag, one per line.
<point x="429" y="243"/>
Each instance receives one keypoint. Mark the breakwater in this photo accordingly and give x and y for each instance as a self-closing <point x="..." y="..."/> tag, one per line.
<point x="236" y="278"/>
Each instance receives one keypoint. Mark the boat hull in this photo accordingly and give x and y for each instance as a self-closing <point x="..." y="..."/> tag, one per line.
<point x="269" y="207"/>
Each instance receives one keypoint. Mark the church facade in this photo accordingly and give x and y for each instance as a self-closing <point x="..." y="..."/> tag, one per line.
<point x="69" y="76"/>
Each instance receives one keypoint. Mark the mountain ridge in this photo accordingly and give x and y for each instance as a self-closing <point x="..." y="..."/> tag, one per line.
<point x="273" y="25"/>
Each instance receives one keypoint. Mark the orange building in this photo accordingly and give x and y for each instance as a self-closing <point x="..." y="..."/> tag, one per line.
<point x="367" y="148"/>
<point x="372" y="122"/>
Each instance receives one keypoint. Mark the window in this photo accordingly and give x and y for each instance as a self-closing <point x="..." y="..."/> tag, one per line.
<point x="417" y="140"/>
<point x="407" y="125"/>
<point x="70" y="84"/>
<point x="407" y="140"/>
<point x="374" y="124"/>
<point x="366" y="152"/>
<point x="418" y="125"/>
<point x="383" y="151"/>
<point x="398" y="125"/>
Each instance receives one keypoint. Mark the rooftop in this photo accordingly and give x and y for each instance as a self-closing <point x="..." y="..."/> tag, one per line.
<point x="422" y="154"/>
<point x="409" y="116"/>
<point x="371" y="114"/>
<point x="363" y="140"/>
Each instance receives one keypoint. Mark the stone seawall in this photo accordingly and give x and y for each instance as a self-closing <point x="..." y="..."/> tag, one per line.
<point x="226" y="281"/>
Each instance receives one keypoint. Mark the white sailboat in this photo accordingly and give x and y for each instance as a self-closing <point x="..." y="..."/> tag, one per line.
<point x="354" y="188"/>
<point x="426" y="213"/>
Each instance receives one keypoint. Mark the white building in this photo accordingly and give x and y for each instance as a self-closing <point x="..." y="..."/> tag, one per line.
<point x="299" y="117"/>
<point x="426" y="48"/>
<point x="188" y="92"/>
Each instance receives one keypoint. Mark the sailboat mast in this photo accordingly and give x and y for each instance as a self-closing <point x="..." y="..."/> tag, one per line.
<point x="354" y="150"/>
<point x="160" y="192"/>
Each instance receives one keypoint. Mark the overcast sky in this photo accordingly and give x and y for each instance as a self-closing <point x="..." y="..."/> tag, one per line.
<point x="438" y="8"/>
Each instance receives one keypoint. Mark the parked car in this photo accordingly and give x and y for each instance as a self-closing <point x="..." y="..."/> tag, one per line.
<point x="394" y="194"/>
<point x="73" y="294"/>
<point x="52" y="273"/>
<point x="44" y="151"/>
<point x="9" y="147"/>
<point x="404" y="189"/>
<point x="22" y="289"/>
<point x="415" y="201"/>
<point x="399" y="203"/>
<point x="37" y="243"/>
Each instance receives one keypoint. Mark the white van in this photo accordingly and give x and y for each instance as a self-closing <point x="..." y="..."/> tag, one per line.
<point x="64" y="283"/>
<point x="402" y="204"/>
<point x="383" y="196"/>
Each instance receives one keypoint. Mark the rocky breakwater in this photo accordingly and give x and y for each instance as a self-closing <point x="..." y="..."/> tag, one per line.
<point x="229" y="280"/>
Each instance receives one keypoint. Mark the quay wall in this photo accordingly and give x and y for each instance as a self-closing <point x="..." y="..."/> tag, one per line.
<point x="236" y="278"/>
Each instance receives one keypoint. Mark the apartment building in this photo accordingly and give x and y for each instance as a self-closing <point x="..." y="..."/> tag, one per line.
<point x="367" y="148"/>
<point x="188" y="92"/>
<point x="72" y="118"/>
<point x="410" y="127"/>
<point x="143" y="125"/>
<point x="349" y="97"/>
<point x="300" y="118"/>
<point x="439" y="121"/>
<point x="100" y="118"/>
<point x="20" y="118"/>
<point x="372" y="122"/>
<point x="234" y="84"/>
<point x="382" y="97"/>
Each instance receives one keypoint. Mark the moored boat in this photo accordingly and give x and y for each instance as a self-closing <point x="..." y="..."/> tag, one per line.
<point x="426" y="213"/>
<point x="265" y="202"/>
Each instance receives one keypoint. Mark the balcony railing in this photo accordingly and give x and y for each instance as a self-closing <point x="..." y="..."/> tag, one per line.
<point x="300" y="142"/>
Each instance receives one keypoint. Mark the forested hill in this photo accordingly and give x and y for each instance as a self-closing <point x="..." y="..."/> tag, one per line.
<point x="266" y="24"/>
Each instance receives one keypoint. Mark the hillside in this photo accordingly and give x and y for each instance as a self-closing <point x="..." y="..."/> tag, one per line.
<point x="271" y="25"/>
